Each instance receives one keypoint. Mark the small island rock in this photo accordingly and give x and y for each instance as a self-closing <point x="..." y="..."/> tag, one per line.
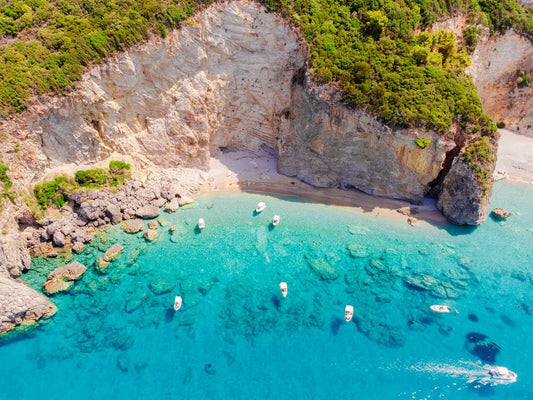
<point x="501" y="213"/>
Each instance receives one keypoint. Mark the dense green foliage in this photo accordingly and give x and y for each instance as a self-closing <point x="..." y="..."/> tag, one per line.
<point x="479" y="155"/>
<point x="367" y="47"/>
<point x="422" y="142"/>
<point x="53" y="192"/>
<point x="5" y="182"/>
<point x="55" y="40"/>
<point x="370" y="50"/>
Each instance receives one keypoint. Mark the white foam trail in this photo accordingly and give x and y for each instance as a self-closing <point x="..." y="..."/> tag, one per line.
<point x="471" y="372"/>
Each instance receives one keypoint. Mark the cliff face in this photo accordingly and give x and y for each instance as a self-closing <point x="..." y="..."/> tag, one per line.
<point x="235" y="78"/>
<point x="497" y="64"/>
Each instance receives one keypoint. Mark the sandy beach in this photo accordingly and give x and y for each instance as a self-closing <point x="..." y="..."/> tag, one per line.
<point x="515" y="157"/>
<point x="256" y="172"/>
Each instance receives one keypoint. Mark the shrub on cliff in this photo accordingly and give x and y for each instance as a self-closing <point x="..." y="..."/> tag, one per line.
<point x="91" y="177"/>
<point x="53" y="192"/>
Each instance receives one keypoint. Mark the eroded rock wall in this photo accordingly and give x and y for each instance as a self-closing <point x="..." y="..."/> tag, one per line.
<point x="496" y="66"/>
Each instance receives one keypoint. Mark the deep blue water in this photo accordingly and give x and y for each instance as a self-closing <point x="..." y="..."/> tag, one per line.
<point x="235" y="337"/>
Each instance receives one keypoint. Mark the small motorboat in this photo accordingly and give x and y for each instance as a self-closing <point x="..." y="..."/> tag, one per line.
<point x="275" y="220"/>
<point x="348" y="313"/>
<point x="260" y="207"/>
<point x="284" y="289"/>
<point x="440" y="308"/>
<point x="177" y="302"/>
<point x="201" y="223"/>
<point x="502" y="374"/>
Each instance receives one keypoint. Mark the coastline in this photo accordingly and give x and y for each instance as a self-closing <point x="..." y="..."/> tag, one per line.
<point x="244" y="171"/>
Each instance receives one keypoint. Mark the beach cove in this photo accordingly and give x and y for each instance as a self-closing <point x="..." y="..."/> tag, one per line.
<point x="235" y="336"/>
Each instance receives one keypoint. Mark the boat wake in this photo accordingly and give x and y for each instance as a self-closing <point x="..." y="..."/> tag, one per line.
<point x="472" y="373"/>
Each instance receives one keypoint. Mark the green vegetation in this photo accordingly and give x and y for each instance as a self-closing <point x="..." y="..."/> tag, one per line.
<point x="5" y="182"/>
<point x="53" y="41"/>
<point x="54" y="192"/>
<point x="479" y="156"/>
<point x="422" y="142"/>
<point x="525" y="80"/>
<point x="367" y="48"/>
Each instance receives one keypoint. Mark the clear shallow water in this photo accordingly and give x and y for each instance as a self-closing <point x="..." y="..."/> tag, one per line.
<point x="235" y="337"/>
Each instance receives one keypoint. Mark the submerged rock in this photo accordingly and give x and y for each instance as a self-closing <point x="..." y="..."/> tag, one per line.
<point x="358" y="250"/>
<point x="112" y="252"/>
<point x="160" y="286"/>
<point x="151" y="234"/>
<point x="325" y="271"/>
<point x="61" y="279"/>
<point x="482" y="347"/>
<point x="133" y="225"/>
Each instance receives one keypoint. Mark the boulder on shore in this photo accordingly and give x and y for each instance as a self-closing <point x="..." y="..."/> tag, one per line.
<point x="133" y="226"/>
<point x="148" y="211"/>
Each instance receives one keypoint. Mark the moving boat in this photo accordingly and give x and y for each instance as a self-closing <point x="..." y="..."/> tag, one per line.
<point x="201" y="223"/>
<point x="260" y="207"/>
<point x="275" y="220"/>
<point x="284" y="289"/>
<point x="502" y="374"/>
<point x="348" y="313"/>
<point x="177" y="302"/>
<point x="440" y="308"/>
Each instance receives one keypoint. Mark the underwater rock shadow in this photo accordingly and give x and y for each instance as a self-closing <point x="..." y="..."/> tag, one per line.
<point x="482" y="347"/>
<point x="335" y="326"/>
<point x="169" y="315"/>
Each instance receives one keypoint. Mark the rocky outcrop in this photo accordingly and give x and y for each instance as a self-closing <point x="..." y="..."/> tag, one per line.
<point x="61" y="279"/>
<point x="463" y="199"/>
<point x="14" y="256"/>
<point x="20" y="304"/>
<point x="497" y="64"/>
<point x="501" y="214"/>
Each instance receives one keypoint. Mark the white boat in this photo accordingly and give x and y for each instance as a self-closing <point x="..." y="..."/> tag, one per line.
<point x="502" y="374"/>
<point x="201" y="223"/>
<point x="348" y="313"/>
<point x="275" y="220"/>
<point x="177" y="302"/>
<point x="284" y="289"/>
<point x="440" y="308"/>
<point x="260" y="207"/>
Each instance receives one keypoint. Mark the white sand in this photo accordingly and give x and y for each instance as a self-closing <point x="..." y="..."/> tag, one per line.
<point x="515" y="157"/>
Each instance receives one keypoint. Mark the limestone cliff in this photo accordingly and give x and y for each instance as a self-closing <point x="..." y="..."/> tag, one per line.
<point x="497" y="64"/>
<point x="234" y="79"/>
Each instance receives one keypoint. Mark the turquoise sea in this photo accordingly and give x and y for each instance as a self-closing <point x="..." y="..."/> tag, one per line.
<point x="117" y="336"/>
